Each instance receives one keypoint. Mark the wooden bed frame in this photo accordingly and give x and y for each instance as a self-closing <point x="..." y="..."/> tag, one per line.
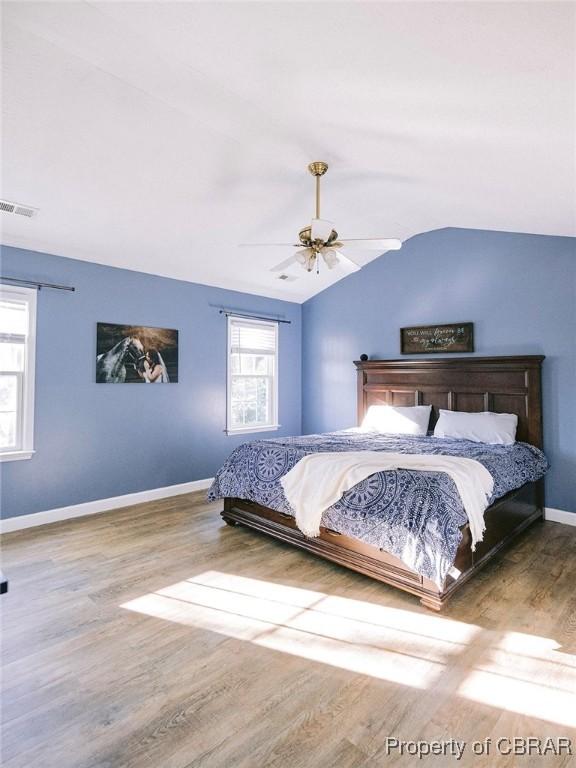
<point x="500" y="384"/>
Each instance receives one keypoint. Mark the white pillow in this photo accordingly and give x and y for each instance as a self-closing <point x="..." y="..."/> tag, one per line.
<point x="486" y="427"/>
<point x="397" y="420"/>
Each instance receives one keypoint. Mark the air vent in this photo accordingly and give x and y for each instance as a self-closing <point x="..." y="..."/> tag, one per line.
<point x="22" y="210"/>
<point x="289" y="278"/>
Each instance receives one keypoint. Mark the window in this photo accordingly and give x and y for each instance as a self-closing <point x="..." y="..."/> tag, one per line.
<point x="17" y="341"/>
<point x="252" y="375"/>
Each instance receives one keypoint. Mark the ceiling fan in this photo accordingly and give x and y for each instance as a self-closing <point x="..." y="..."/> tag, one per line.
<point x="320" y="239"/>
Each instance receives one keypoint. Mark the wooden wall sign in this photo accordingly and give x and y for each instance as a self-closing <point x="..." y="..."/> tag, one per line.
<point x="423" y="339"/>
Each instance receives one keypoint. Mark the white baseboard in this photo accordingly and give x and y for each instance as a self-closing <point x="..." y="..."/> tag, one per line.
<point x="128" y="499"/>
<point x="559" y="516"/>
<point x="100" y="505"/>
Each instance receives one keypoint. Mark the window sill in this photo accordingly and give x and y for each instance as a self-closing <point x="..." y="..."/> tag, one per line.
<point x="250" y="430"/>
<point x="16" y="455"/>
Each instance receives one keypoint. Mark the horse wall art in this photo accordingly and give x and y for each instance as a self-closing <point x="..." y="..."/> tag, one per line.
<point x="136" y="354"/>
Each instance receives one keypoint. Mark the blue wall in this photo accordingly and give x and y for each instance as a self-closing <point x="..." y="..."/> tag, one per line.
<point x="95" y="441"/>
<point x="520" y="292"/>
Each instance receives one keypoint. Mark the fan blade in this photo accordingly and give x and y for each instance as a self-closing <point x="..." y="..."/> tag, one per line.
<point x="346" y="263"/>
<point x="269" y="245"/>
<point x="321" y="229"/>
<point x="283" y="264"/>
<point x="373" y="243"/>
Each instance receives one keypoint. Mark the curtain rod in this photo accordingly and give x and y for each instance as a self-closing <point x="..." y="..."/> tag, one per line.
<point x="35" y="284"/>
<point x="232" y="313"/>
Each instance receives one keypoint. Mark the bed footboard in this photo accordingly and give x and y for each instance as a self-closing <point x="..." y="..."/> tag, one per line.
<point x="505" y="520"/>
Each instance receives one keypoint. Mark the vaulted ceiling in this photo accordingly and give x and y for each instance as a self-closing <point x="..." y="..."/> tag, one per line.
<point x="158" y="135"/>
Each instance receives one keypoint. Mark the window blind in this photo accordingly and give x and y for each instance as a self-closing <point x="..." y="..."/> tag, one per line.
<point x="252" y="338"/>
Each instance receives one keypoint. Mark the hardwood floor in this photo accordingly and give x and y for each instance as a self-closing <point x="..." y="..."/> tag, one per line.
<point x="157" y="637"/>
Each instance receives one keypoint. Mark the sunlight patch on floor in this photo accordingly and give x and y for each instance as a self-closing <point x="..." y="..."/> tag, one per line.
<point x="513" y="671"/>
<point x="526" y="674"/>
<point x="386" y="643"/>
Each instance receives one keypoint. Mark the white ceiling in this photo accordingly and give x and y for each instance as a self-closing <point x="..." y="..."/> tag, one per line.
<point x="156" y="136"/>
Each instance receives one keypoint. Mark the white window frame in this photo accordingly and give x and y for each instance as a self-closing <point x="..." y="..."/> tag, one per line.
<point x="26" y="416"/>
<point x="274" y="405"/>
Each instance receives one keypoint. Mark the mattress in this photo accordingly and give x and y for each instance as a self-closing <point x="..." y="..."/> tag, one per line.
<point x="415" y="516"/>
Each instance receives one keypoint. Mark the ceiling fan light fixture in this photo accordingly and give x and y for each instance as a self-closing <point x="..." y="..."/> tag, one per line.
<point x="321" y="239"/>
<point x="330" y="257"/>
<point x="321" y="230"/>
<point x="302" y="256"/>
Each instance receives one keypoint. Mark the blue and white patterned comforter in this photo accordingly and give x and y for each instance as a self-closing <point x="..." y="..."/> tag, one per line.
<point x="414" y="515"/>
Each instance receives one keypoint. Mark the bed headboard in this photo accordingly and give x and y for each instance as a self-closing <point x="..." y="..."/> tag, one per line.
<point x="500" y="384"/>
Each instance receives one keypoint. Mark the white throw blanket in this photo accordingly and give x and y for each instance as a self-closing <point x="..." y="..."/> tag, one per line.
<point x="319" y="480"/>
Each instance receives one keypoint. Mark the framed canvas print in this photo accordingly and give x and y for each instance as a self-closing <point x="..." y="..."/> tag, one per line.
<point x="136" y="354"/>
<point x="425" y="339"/>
